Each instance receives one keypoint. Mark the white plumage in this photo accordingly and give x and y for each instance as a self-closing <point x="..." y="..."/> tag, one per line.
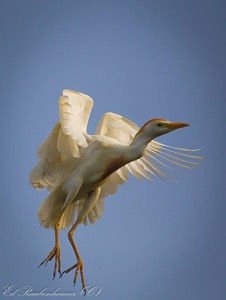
<point x="80" y="170"/>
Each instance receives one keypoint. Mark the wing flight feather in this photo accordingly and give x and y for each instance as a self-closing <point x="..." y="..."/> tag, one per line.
<point x="64" y="142"/>
<point x="123" y="130"/>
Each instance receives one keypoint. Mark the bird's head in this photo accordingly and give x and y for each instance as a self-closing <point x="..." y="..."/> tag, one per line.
<point x="157" y="127"/>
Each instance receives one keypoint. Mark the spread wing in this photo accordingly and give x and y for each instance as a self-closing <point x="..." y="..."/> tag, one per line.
<point x="64" y="142"/>
<point x="156" y="159"/>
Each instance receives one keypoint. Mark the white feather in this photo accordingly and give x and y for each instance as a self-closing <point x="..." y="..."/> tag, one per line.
<point x="70" y="158"/>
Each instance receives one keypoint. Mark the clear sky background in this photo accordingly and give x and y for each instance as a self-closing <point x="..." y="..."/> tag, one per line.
<point x="141" y="59"/>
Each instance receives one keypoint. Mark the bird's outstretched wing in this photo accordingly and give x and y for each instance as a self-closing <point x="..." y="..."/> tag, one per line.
<point x="156" y="158"/>
<point x="64" y="142"/>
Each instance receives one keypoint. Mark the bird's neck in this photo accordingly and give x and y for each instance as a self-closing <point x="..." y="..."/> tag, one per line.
<point x="139" y="144"/>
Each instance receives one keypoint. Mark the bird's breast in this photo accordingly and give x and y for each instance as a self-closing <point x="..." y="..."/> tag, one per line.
<point x="113" y="166"/>
<point x="97" y="163"/>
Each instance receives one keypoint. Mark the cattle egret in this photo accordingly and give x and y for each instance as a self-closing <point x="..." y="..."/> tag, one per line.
<point x="80" y="170"/>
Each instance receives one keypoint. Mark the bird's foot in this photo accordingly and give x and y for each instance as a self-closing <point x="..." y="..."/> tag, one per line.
<point x="57" y="266"/>
<point x="78" y="268"/>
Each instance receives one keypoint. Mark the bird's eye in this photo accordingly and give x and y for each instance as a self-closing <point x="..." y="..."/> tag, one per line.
<point x="159" y="124"/>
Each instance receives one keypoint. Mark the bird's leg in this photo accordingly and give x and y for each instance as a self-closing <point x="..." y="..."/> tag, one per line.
<point x="55" y="252"/>
<point x="91" y="200"/>
<point x="79" y="265"/>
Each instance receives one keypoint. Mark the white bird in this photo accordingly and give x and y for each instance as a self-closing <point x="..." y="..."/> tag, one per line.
<point x="80" y="170"/>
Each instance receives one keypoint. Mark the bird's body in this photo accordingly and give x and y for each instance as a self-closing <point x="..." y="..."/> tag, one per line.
<point x="80" y="170"/>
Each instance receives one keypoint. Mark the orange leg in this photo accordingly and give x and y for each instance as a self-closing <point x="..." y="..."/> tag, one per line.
<point x="79" y="265"/>
<point x="55" y="252"/>
<point x="91" y="199"/>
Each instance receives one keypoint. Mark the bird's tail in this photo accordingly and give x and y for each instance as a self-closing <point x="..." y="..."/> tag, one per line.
<point x="51" y="208"/>
<point x="59" y="204"/>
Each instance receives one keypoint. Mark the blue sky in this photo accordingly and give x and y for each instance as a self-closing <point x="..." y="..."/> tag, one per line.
<point x="141" y="59"/>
